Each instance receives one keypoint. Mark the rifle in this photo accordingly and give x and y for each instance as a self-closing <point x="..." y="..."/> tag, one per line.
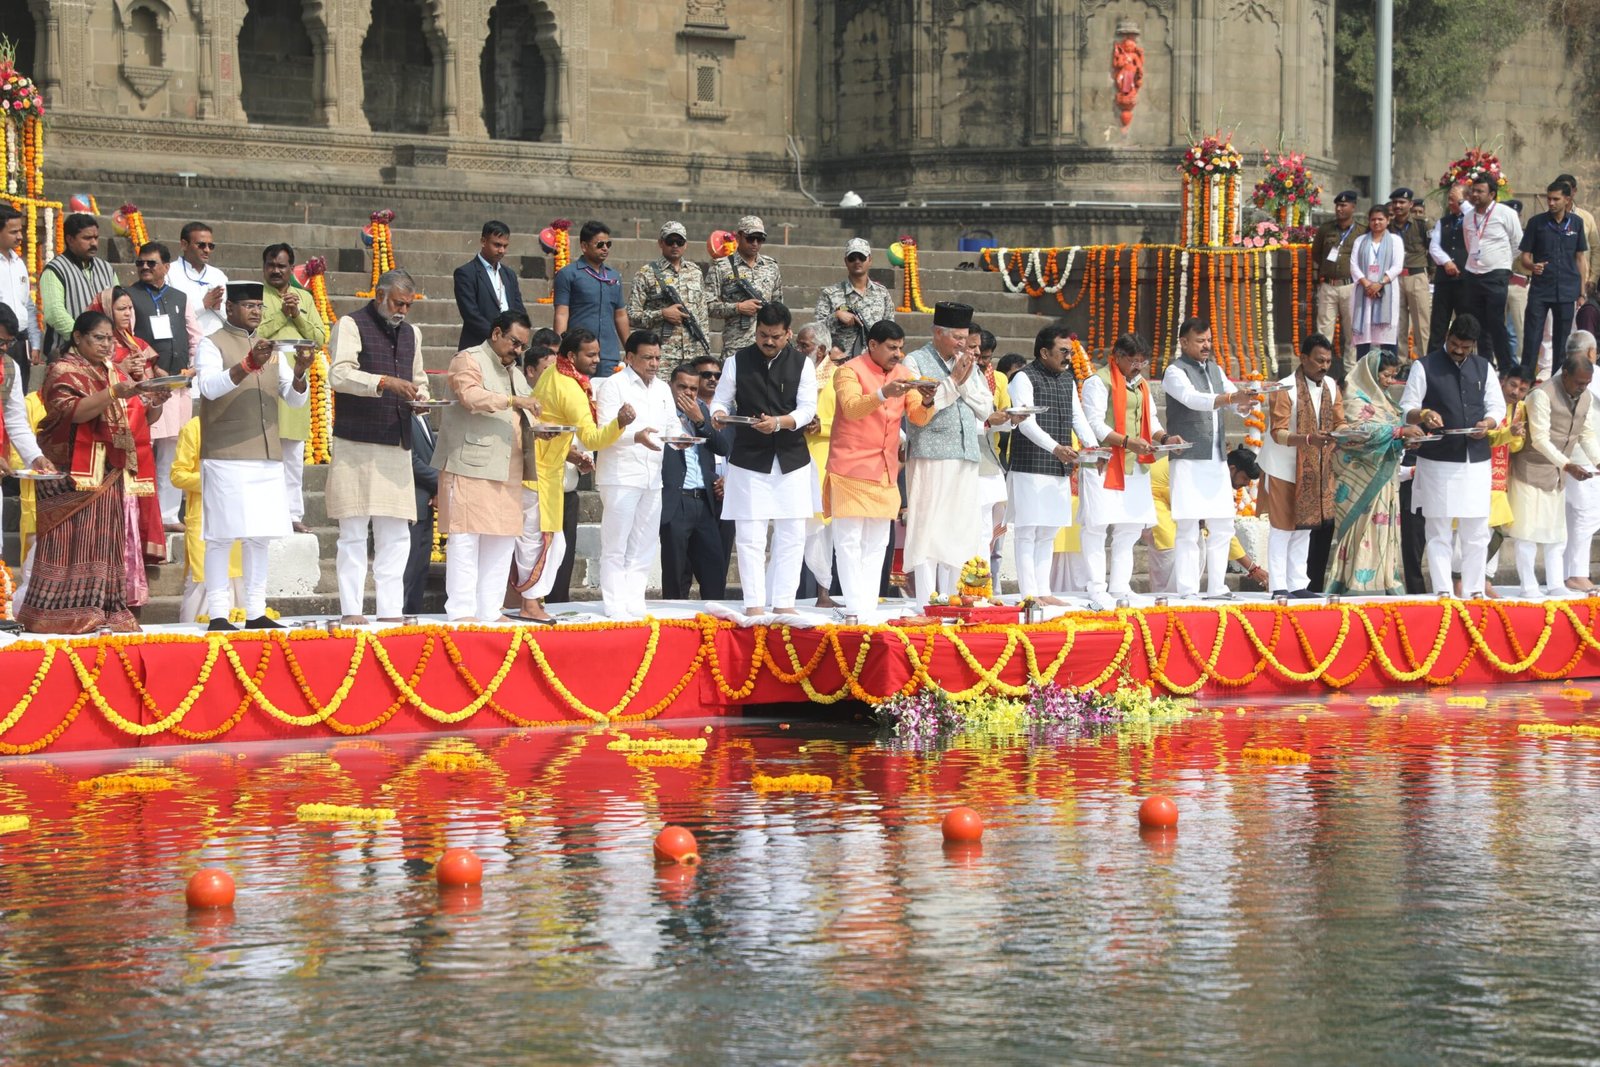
<point x="669" y="293"/>
<point x="744" y="289"/>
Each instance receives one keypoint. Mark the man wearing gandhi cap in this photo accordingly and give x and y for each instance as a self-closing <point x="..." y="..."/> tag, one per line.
<point x="240" y="378"/>
<point x="944" y="525"/>
<point x="649" y="308"/>
<point x="735" y="278"/>
<point x="852" y="307"/>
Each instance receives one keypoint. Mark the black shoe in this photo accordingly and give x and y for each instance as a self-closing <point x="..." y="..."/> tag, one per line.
<point x="221" y="626"/>
<point x="261" y="622"/>
<point x="1305" y="594"/>
<point x="1280" y="592"/>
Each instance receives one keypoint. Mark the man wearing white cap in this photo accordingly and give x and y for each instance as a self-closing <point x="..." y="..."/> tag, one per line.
<point x="650" y="306"/>
<point x="855" y="305"/>
<point x="741" y="283"/>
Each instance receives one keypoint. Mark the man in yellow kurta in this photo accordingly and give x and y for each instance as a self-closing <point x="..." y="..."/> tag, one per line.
<point x="186" y="476"/>
<point x="565" y="399"/>
<point x="814" y="341"/>
<point x="288" y="313"/>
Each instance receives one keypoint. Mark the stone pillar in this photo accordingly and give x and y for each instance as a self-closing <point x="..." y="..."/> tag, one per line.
<point x="325" y="67"/>
<point x="344" y="65"/>
<point x="47" y="51"/>
<point x="470" y="34"/>
<point x="558" y="82"/>
<point x="444" y="87"/>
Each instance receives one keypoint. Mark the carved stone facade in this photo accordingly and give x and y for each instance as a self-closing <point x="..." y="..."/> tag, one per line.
<point x="900" y="100"/>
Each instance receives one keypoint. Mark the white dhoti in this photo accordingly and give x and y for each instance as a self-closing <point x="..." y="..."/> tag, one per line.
<point x="294" y="477"/>
<point x="1583" y="522"/>
<point x="942" y="513"/>
<point x="1454" y="499"/>
<point x="860" y="544"/>
<point x="1124" y="514"/>
<point x="1539" y="517"/>
<point x="242" y="500"/>
<point x="1202" y="491"/>
<point x="752" y="500"/>
<point x="819" y="553"/>
<point x="1039" y="505"/>
<point x="630" y="532"/>
<point x="536" y="562"/>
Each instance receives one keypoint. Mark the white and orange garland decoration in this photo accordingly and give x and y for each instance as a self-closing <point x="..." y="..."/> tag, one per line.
<point x="911" y="278"/>
<point x="318" y="446"/>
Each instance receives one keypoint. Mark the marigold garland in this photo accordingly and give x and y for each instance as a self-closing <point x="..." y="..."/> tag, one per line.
<point x="911" y="279"/>
<point x="319" y="443"/>
<point x="342" y="813"/>
<point x="114" y="784"/>
<point x="10" y="824"/>
<point x="1550" y="729"/>
<point x="563" y="255"/>
<point x="8" y="589"/>
<point x="791" y="783"/>
<point x="1274" y="755"/>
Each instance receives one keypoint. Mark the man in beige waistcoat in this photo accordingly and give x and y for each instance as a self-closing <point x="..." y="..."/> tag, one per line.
<point x="483" y="440"/>
<point x="1561" y="440"/>
<point x="240" y="379"/>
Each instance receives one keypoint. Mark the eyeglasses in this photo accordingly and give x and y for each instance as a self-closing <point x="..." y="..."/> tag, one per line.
<point x="151" y="263"/>
<point x="602" y="244"/>
<point x="676" y="242"/>
<point x="755" y="238"/>
<point x="205" y="246"/>
<point x="855" y="257"/>
<point x="712" y="374"/>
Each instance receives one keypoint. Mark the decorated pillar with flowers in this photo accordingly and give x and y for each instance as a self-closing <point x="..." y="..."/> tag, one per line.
<point x="321" y="399"/>
<point x="380" y="235"/>
<point x="903" y="254"/>
<point x="556" y="240"/>
<point x="1212" y="171"/>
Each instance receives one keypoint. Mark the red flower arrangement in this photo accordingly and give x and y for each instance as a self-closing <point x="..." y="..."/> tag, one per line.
<point x="18" y="95"/>
<point x="1476" y="165"/>
<point x="1289" y="191"/>
<point x="1213" y="155"/>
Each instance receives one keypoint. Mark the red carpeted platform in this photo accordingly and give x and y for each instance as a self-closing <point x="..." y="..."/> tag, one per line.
<point x="164" y="689"/>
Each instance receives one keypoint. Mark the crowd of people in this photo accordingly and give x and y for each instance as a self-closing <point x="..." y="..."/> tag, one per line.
<point x="826" y="456"/>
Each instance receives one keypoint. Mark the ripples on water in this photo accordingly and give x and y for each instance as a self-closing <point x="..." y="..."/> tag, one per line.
<point x="1422" y="891"/>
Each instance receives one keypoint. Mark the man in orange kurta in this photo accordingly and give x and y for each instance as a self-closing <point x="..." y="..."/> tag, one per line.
<point x="862" y="490"/>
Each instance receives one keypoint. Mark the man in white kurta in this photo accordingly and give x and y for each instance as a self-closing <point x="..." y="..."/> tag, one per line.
<point x="239" y="380"/>
<point x="1583" y="498"/>
<point x="1202" y="488"/>
<point x="1453" y="481"/>
<point x="628" y="474"/>
<point x="769" y="482"/>
<point x="376" y="374"/>
<point x="1562" y="446"/>
<point x="1039" y="483"/>
<point x="203" y="284"/>
<point x="1126" y="510"/>
<point x="945" y="526"/>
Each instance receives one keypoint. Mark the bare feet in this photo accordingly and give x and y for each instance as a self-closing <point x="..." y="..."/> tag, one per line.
<point x="826" y="601"/>
<point x="352" y="620"/>
<point x="1052" y="601"/>
<point x="1488" y="591"/>
<point x="300" y="527"/>
<point x="1582" y="585"/>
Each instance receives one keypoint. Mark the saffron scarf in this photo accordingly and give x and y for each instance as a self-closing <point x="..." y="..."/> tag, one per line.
<point x="1314" y="481"/>
<point x="565" y="365"/>
<point x="1116" y="470"/>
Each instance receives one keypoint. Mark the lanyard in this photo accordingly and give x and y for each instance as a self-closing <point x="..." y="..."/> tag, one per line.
<point x="156" y="296"/>
<point x="198" y="279"/>
<point x="1479" y="222"/>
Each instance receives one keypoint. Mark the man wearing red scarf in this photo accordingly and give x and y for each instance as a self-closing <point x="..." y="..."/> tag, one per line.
<point x="1117" y="500"/>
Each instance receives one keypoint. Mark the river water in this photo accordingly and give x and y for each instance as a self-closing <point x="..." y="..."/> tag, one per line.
<point x="1422" y="890"/>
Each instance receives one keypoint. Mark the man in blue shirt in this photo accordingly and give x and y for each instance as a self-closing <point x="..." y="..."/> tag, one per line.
<point x="1555" y="250"/>
<point x="590" y="294"/>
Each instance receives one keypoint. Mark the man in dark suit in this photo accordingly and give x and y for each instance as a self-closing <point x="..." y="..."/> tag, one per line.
<point x="486" y="287"/>
<point x="691" y="542"/>
<point x="427" y="486"/>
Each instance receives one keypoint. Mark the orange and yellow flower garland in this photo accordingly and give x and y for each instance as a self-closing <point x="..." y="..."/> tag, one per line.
<point x="911" y="279"/>
<point x="319" y="442"/>
<point x="563" y="255"/>
<point x="382" y="249"/>
<point x="8" y="589"/>
<point x="133" y="219"/>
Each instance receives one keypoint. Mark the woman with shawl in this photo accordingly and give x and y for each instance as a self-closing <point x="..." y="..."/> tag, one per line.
<point x="1365" y="558"/>
<point x="1376" y="260"/>
<point x="80" y="580"/>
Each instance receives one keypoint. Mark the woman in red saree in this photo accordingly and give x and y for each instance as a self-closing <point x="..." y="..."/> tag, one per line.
<point x="146" y="536"/>
<point x="79" y="582"/>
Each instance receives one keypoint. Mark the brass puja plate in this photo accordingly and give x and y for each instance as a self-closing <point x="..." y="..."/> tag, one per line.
<point x="38" y="476"/>
<point x="1027" y="409"/>
<point x="170" y="381"/>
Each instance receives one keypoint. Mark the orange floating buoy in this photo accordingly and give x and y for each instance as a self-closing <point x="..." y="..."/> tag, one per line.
<point x="962" y="824"/>
<point x="209" y="887"/>
<point x="1158" y="812"/>
<point x="458" y="867"/>
<point x="674" y="844"/>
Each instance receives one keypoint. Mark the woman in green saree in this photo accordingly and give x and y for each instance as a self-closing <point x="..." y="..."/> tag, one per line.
<point x="1365" y="559"/>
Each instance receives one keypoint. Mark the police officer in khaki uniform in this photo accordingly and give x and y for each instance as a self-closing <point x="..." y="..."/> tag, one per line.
<point x="1330" y="258"/>
<point x="1416" y="298"/>
<point x="649" y="308"/>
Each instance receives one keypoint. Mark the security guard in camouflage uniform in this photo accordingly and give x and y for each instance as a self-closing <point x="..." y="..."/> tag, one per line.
<point x="747" y="265"/>
<point x="648" y="308"/>
<point x="852" y="307"/>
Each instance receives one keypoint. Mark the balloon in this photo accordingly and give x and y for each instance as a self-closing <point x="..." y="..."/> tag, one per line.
<point x="119" y="223"/>
<point x="300" y="275"/>
<point x="547" y="240"/>
<point x="720" y="243"/>
<point x="366" y="237"/>
<point x="81" y="203"/>
<point x="897" y="254"/>
<point x="674" y="844"/>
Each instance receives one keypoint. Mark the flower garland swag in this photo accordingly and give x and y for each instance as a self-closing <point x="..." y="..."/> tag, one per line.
<point x="129" y="220"/>
<point x="1289" y="191"/>
<point x="1212" y="172"/>
<point x="319" y="446"/>
<point x="911" y="278"/>
<point x="383" y="261"/>
<point x="557" y="241"/>
<point x="21" y="127"/>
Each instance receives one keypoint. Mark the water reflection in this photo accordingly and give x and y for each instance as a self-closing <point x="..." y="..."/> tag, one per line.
<point x="1421" y="889"/>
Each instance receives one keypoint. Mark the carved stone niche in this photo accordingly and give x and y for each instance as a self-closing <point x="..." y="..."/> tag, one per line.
<point x="143" y="27"/>
<point x="708" y="45"/>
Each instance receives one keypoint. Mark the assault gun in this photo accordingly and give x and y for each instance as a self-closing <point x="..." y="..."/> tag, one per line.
<point x="744" y="290"/>
<point x="670" y="294"/>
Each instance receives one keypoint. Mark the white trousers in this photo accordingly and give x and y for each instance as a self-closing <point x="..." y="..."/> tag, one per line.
<point x="476" y="567"/>
<point x="819" y="554"/>
<point x="1288" y="553"/>
<point x="779" y="577"/>
<point x="630" y="538"/>
<point x="1159" y="561"/>
<point x="391" y="546"/>
<point x="1555" y="569"/>
<point x="1119" y="581"/>
<point x="1186" y="556"/>
<point x="1069" y="573"/>
<point x="933" y="578"/>
<point x="1474" y="534"/>
<point x="1034" y="546"/>
<point x="1581" y="528"/>
<point x="859" y="545"/>
<point x="220" y="594"/>
<point x="194" y="598"/>
<point x="169" y="496"/>
<point x="294" y="478"/>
